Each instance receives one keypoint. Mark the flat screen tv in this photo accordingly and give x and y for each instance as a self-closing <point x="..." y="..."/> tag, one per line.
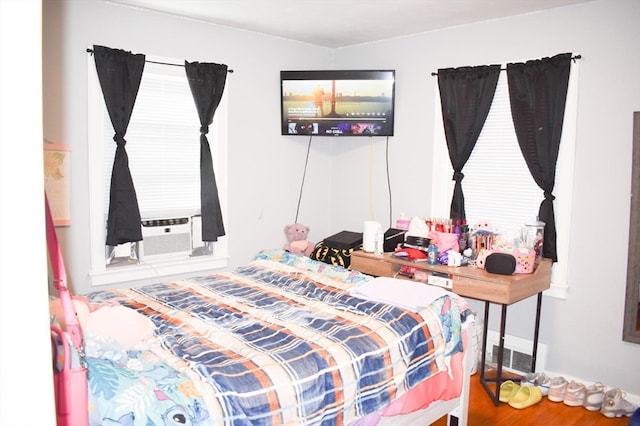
<point x="337" y="103"/>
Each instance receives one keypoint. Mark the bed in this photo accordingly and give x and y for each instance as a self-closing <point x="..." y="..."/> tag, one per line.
<point x="283" y="340"/>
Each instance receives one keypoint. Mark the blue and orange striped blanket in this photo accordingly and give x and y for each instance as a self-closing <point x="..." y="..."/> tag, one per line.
<point x="278" y="341"/>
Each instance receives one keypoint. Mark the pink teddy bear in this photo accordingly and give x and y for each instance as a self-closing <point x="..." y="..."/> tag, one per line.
<point x="297" y="242"/>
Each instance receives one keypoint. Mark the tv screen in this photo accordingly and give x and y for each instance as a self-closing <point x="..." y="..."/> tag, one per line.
<point x="337" y="103"/>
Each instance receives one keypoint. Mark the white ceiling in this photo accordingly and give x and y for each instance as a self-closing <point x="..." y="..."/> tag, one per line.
<point x="339" y="23"/>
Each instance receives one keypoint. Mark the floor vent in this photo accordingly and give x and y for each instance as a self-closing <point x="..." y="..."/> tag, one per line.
<point x="517" y="353"/>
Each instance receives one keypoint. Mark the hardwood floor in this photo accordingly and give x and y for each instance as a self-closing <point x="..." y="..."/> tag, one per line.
<point x="482" y="412"/>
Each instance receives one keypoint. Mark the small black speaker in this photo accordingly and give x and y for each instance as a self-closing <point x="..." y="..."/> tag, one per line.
<point x="393" y="238"/>
<point x="500" y="263"/>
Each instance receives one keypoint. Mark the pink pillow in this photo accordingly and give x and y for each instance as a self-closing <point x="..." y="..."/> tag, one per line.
<point x="126" y="326"/>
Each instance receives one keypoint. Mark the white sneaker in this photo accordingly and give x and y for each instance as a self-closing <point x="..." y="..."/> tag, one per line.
<point x="574" y="396"/>
<point x="614" y="404"/>
<point x="594" y="395"/>
<point x="557" y="389"/>
<point x="540" y="380"/>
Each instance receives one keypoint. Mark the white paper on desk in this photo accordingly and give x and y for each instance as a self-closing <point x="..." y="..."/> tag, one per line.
<point x="405" y="294"/>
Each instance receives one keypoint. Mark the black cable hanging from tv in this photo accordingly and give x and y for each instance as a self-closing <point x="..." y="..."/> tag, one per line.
<point x="304" y="173"/>
<point x="389" y="185"/>
<point x="229" y="70"/>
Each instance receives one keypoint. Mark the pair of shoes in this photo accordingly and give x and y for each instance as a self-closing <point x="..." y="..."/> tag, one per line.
<point x="594" y="395"/>
<point x="540" y="380"/>
<point x="557" y="389"/>
<point x="575" y="394"/>
<point x="508" y="389"/>
<point x="614" y="404"/>
<point x="519" y="396"/>
<point x="526" y="397"/>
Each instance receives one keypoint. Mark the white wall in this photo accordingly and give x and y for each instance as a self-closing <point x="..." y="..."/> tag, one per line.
<point x="25" y="349"/>
<point x="266" y="168"/>
<point x="583" y="332"/>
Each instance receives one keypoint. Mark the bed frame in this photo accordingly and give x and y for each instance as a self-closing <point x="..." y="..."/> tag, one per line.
<point x="456" y="410"/>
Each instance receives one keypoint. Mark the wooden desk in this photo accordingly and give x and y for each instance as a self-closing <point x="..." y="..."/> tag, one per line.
<point x="476" y="284"/>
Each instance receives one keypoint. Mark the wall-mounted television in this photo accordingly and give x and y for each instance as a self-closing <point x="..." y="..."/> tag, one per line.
<point x="338" y="102"/>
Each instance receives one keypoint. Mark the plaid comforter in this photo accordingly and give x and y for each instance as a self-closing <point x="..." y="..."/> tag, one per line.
<point x="279" y="341"/>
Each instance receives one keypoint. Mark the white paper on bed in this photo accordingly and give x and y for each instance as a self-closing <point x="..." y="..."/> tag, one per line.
<point x="405" y="294"/>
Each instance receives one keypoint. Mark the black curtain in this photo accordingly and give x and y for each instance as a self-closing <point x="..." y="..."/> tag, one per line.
<point x="207" y="81"/>
<point x="538" y="93"/>
<point x="466" y="95"/>
<point x="119" y="73"/>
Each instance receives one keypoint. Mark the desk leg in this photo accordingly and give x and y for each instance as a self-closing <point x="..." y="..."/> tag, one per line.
<point x="535" y="334"/>
<point x="484" y="342"/>
<point x="494" y="394"/>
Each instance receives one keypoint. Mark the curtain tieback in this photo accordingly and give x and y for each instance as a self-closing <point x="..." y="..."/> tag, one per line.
<point x="549" y="196"/>
<point x="458" y="176"/>
<point x="119" y="139"/>
<point x="204" y="130"/>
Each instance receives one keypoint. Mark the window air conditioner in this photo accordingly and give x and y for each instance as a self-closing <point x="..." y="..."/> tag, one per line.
<point x="163" y="238"/>
<point x="169" y="237"/>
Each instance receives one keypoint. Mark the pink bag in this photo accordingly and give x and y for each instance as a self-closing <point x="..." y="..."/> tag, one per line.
<point x="69" y="373"/>
<point x="69" y="382"/>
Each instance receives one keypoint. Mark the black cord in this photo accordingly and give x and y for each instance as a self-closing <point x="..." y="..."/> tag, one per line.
<point x="306" y="161"/>
<point x="389" y="184"/>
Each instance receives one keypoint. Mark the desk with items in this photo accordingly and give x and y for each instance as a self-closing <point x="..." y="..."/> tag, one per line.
<point x="472" y="282"/>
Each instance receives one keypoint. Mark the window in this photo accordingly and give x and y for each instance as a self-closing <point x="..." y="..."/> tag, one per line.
<point x="163" y="146"/>
<point x="497" y="184"/>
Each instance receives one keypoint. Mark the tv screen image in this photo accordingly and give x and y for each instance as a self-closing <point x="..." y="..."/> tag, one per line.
<point x="337" y="103"/>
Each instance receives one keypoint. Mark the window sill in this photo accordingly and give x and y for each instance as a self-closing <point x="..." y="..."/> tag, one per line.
<point x="557" y="290"/>
<point x="155" y="269"/>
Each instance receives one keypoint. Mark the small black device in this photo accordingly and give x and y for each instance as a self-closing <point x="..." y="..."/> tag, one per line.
<point x="344" y="240"/>
<point x="393" y="238"/>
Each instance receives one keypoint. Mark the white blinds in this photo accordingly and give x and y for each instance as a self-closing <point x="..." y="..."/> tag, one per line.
<point x="497" y="184"/>
<point x="163" y="145"/>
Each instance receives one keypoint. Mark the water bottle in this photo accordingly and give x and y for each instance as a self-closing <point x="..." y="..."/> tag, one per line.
<point x="379" y="242"/>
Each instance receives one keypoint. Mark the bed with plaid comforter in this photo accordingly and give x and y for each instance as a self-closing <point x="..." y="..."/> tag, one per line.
<point x="279" y="341"/>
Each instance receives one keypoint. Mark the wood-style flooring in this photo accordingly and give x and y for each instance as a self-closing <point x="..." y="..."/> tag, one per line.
<point x="482" y="412"/>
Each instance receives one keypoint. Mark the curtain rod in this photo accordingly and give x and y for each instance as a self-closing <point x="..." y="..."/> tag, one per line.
<point x="573" y="58"/>
<point x="229" y="70"/>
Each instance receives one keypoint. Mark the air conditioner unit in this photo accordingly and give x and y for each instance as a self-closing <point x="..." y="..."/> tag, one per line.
<point x="165" y="237"/>
<point x="162" y="238"/>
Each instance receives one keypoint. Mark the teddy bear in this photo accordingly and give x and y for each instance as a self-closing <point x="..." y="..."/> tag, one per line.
<point x="297" y="242"/>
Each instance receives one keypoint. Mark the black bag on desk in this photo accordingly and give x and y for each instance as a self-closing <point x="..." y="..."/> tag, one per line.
<point x="500" y="263"/>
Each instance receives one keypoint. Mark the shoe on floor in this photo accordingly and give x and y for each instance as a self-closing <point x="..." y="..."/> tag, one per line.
<point x="540" y="380"/>
<point x="526" y="397"/>
<point x="557" y="389"/>
<point x="574" y="395"/>
<point x="594" y="395"/>
<point x="614" y="404"/>
<point x="508" y="389"/>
